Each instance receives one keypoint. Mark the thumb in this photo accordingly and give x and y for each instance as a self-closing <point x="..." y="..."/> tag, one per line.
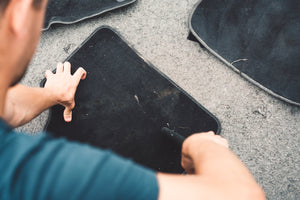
<point x="68" y="114"/>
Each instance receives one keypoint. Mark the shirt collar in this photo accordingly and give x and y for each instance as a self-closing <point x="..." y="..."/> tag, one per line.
<point x="4" y="126"/>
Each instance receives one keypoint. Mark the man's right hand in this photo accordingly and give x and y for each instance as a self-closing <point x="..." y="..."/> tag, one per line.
<point x="214" y="173"/>
<point x="192" y="146"/>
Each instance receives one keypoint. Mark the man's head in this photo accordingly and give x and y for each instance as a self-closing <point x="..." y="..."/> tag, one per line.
<point x="3" y="4"/>
<point x="20" y="27"/>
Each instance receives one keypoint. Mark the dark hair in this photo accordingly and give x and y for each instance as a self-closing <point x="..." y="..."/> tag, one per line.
<point x="4" y="3"/>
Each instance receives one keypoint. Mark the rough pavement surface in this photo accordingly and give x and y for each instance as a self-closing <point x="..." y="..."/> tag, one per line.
<point x="262" y="130"/>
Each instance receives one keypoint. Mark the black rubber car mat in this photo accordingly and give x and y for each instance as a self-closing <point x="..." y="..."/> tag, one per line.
<point x="72" y="11"/>
<point x="258" y="39"/>
<point x="125" y="104"/>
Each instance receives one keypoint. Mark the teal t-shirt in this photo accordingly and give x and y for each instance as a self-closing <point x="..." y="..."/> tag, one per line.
<point x="41" y="167"/>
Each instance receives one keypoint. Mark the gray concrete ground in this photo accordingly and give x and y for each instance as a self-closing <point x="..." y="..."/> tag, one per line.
<point x="262" y="130"/>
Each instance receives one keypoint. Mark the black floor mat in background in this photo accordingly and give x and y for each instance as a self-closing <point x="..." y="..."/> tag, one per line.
<point x="72" y="11"/>
<point x="259" y="39"/>
<point x="125" y="102"/>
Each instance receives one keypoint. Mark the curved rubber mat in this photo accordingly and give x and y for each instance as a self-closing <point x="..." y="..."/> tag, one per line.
<point x="72" y="11"/>
<point x="125" y="102"/>
<point x="259" y="39"/>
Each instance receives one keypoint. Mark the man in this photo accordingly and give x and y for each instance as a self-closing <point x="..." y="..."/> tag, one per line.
<point x="40" y="167"/>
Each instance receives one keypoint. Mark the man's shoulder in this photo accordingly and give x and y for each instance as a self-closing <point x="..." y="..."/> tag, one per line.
<point x="67" y="168"/>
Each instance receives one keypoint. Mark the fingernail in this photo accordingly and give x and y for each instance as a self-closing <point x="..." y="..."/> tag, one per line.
<point x="68" y="118"/>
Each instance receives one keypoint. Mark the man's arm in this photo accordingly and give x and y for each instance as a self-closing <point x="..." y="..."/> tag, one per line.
<point x="24" y="103"/>
<point x="215" y="173"/>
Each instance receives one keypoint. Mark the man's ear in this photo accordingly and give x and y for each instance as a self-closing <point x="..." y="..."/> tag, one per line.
<point x="18" y="12"/>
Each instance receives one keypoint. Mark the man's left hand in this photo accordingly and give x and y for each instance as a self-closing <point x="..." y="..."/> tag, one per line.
<point x="62" y="86"/>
